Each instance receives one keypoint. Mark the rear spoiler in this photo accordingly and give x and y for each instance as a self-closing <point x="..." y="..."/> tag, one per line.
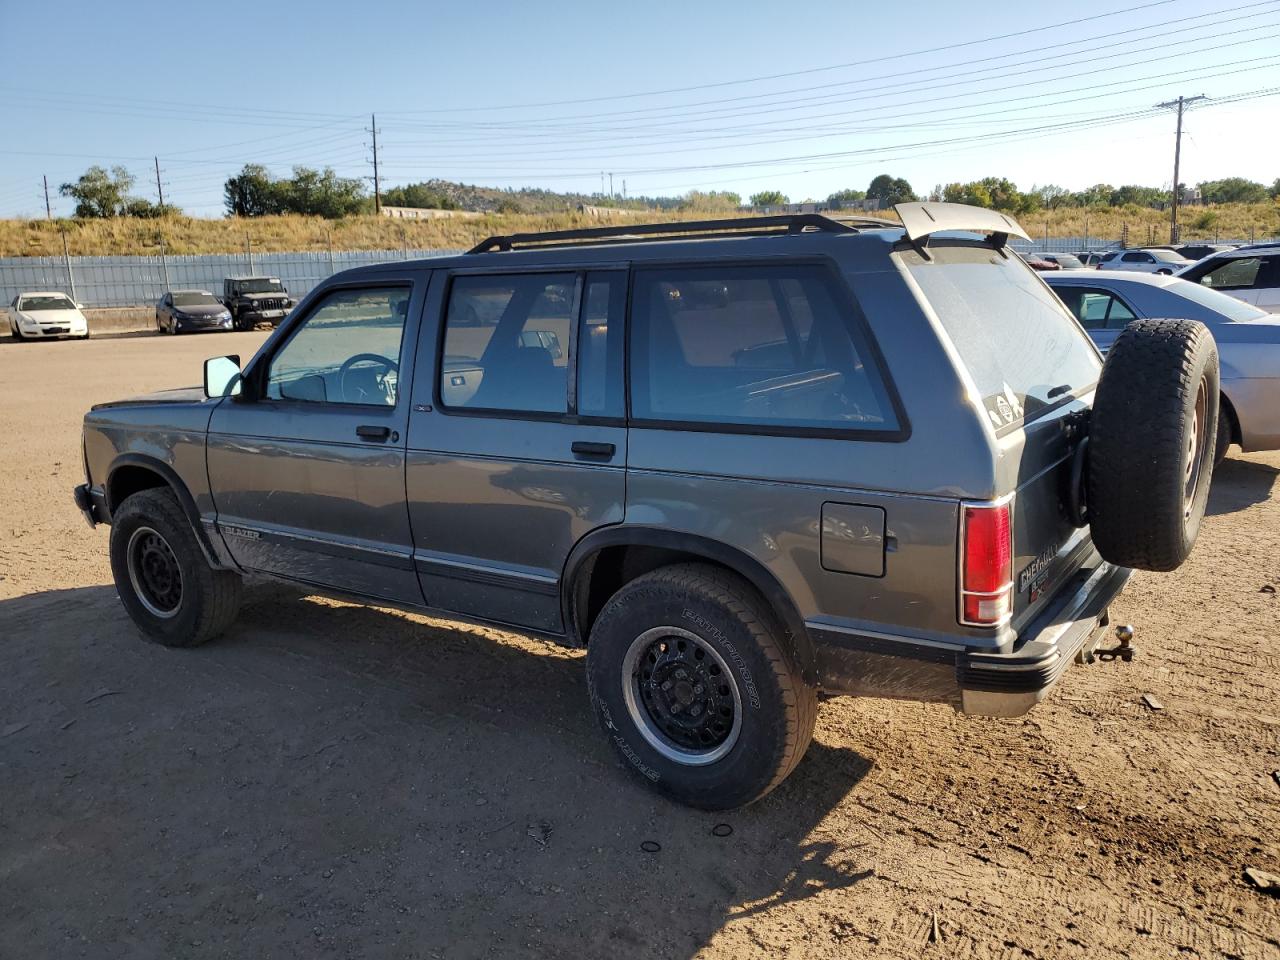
<point x="923" y="219"/>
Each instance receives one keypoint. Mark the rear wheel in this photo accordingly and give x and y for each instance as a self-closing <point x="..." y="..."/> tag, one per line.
<point x="1152" y="443"/>
<point x="699" y="687"/>
<point x="162" y="576"/>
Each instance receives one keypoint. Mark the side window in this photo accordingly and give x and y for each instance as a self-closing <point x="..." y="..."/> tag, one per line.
<point x="600" y="373"/>
<point x="1118" y="314"/>
<point x="506" y="342"/>
<point x="347" y="350"/>
<point x="1238" y="274"/>
<point x="765" y="345"/>
<point x="1088" y="306"/>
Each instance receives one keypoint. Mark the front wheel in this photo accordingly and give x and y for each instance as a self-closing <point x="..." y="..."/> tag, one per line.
<point x="162" y="576"/>
<point x="698" y="686"/>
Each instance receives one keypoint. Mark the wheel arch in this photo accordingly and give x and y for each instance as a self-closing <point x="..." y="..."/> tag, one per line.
<point x="1228" y="409"/>
<point x="607" y="559"/>
<point x="134" y="472"/>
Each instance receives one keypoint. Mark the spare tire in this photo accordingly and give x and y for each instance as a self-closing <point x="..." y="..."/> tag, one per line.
<point x="1152" y="443"/>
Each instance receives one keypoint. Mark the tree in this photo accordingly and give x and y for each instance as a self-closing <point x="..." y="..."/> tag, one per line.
<point x="255" y="193"/>
<point x="322" y="193"/>
<point x="841" y="197"/>
<point x="722" y="201"/>
<point x="1097" y="195"/>
<point x="1052" y="196"/>
<point x="417" y="195"/>
<point x="1232" y="190"/>
<point x="1139" y="196"/>
<point x="1274" y="189"/>
<point x="251" y="193"/>
<point x="98" y="193"/>
<point x="768" y="198"/>
<point x="974" y="194"/>
<point x="890" y="190"/>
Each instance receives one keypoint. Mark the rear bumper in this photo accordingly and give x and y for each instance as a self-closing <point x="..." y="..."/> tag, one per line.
<point x="986" y="683"/>
<point x="1010" y="684"/>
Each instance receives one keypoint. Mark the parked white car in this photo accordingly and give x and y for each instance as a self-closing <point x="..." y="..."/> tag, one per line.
<point x="38" y="315"/>
<point x="1251" y="274"/>
<point x="1153" y="260"/>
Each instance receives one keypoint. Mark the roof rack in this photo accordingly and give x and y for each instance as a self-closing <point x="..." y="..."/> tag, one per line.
<point x="778" y="225"/>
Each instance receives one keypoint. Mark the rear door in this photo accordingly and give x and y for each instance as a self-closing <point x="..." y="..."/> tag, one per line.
<point x="1100" y="311"/>
<point x="518" y="440"/>
<point x="1267" y="284"/>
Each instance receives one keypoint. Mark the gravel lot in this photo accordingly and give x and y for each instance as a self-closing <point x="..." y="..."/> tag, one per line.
<point x="332" y="780"/>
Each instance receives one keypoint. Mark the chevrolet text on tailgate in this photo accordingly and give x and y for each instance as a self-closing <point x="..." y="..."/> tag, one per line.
<point x="743" y="462"/>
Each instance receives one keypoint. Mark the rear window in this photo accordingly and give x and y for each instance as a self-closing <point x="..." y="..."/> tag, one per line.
<point x="1022" y="349"/>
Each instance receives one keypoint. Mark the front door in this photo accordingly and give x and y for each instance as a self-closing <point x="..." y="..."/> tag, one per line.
<point x="517" y="442"/>
<point x="307" y="470"/>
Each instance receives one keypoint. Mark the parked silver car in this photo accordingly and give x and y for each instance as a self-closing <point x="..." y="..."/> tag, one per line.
<point x="1147" y="260"/>
<point x="1248" y="341"/>
<point x="743" y="462"/>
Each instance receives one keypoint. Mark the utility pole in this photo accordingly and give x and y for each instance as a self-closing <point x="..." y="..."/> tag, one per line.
<point x="48" y="210"/>
<point x="602" y="183"/>
<point x="1180" y="103"/>
<point x="159" y="185"/>
<point x="377" y="184"/>
<point x="611" y="186"/>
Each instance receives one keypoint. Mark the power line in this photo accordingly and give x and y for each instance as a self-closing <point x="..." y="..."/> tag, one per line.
<point x="798" y="73"/>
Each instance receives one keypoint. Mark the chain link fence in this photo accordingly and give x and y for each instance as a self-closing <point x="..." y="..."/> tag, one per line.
<point x="139" y="281"/>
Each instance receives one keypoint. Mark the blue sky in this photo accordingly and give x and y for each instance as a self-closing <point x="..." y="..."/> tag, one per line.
<point x="806" y="97"/>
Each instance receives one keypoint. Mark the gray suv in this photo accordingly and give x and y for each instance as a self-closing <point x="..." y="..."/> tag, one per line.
<point x="745" y="463"/>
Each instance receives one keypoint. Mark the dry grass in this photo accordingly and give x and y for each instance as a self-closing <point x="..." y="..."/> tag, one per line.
<point x="186" y="235"/>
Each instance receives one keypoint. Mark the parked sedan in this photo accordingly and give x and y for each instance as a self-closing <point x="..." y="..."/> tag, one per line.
<point x="181" y="311"/>
<point x="35" y="316"/>
<point x="1148" y="260"/>
<point x="1248" y="340"/>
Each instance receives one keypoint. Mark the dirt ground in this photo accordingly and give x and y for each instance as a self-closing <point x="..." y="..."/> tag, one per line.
<point x="338" y="781"/>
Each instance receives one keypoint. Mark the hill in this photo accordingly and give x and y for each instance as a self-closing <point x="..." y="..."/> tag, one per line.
<point x="188" y="235"/>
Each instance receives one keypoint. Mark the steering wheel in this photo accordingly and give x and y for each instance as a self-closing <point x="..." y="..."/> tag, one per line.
<point x="390" y="367"/>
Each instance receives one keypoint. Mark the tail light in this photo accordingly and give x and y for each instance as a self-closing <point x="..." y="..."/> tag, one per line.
<point x="986" y="565"/>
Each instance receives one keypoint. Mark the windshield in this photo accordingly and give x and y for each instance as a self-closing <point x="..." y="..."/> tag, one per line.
<point x="1229" y="307"/>
<point x="1067" y="261"/>
<point x="1022" y="349"/>
<point x="194" y="299"/>
<point x="1167" y="256"/>
<point x="260" y="286"/>
<point x="46" y="303"/>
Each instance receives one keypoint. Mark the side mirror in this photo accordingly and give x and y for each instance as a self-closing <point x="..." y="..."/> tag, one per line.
<point x="79" y="306"/>
<point x="222" y="376"/>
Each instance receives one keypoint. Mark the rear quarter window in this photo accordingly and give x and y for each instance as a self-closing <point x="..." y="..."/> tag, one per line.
<point x="1023" y="350"/>
<point x="774" y="346"/>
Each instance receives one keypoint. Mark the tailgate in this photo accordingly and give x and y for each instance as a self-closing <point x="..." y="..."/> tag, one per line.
<point x="1048" y="549"/>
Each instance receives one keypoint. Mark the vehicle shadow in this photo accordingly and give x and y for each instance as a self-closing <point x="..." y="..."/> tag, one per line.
<point x="8" y="340"/>
<point x="1238" y="484"/>
<point x="336" y="778"/>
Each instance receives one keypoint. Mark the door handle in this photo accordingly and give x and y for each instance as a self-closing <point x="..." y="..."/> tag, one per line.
<point x="368" y="432"/>
<point x="586" y="448"/>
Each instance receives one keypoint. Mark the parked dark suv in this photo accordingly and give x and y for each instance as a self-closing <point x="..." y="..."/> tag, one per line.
<point x="744" y="462"/>
<point x="255" y="300"/>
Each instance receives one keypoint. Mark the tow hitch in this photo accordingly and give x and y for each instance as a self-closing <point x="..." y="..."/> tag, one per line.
<point x="1123" y="650"/>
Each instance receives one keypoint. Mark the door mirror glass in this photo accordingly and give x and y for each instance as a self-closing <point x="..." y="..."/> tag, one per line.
<point x="222" y="376"/>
